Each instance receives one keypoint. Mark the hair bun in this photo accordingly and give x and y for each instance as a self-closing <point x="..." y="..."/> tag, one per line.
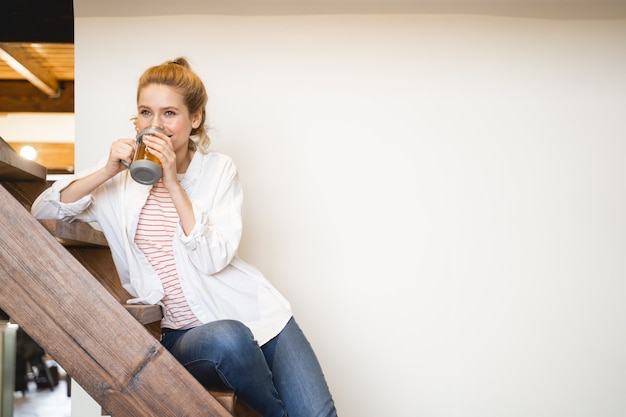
<point x="179" y="61"/>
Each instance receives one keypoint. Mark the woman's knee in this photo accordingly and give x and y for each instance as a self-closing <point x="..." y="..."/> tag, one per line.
<point x="223" y="336"/>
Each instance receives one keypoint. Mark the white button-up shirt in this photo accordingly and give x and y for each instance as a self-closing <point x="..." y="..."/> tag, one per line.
<point x="217" y="284"/>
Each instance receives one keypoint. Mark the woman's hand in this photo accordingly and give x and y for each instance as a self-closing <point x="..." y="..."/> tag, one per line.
<point x="160" y="145"/>
<point x="121" y="150"/>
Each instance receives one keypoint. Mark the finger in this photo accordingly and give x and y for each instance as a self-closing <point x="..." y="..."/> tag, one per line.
<point x="155" y="142"/>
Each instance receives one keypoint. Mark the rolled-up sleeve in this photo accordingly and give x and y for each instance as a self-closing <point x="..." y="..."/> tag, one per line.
<point x="48" y="204"/>
<point x="213" y="242"/>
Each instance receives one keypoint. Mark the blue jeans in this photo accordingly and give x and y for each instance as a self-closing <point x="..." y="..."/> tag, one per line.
<point x="282" y="377"/>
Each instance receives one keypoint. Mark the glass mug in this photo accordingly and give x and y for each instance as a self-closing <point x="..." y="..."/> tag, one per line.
<point x="145" y="168"/>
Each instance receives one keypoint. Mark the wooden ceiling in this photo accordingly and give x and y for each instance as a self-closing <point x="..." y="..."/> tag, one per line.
<point x="37" y="56"/>
<point x="57" y="59"/>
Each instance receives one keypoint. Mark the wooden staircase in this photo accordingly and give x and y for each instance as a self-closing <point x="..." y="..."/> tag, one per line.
<point x="65" y="299"/>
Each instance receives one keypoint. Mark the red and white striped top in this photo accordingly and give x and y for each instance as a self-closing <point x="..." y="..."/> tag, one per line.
<point x="157" y="223"/>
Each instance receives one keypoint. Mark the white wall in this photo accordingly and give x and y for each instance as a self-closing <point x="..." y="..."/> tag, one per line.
<point x="37" y="127"/>
<point x="441" y="198"/>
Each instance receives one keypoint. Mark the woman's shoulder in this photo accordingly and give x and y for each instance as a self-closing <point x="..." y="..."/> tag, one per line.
<point x="218" y="159"/>
<point x="212" y="165"/>
<point x="218" y="155"/>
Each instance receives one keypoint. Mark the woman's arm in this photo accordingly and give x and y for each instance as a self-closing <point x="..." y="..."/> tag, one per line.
<point x="216" y="203"/>
<point x="183" y="207"/>
<point x="161" y="146"/>
<point x="121" y="149"/>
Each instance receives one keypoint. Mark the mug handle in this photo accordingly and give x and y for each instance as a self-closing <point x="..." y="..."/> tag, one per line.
<point x="146" y="131"/>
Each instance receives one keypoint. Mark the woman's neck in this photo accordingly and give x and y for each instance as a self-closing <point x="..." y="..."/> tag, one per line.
<point x="183" y="160"/>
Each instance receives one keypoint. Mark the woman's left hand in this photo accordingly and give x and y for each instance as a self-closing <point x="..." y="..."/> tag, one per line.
<point x="160" y="145"/>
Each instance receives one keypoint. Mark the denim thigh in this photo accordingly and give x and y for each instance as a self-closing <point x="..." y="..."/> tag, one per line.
<point x="297" y="374"/>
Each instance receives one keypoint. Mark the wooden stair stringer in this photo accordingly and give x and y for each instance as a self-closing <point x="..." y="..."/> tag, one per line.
<point x="61" y="305"/>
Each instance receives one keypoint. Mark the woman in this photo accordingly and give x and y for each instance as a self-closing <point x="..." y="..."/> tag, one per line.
<point x="175" y="243"/>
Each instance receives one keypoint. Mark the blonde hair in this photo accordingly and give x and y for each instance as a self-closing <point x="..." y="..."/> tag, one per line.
<point x="178" y="74"/>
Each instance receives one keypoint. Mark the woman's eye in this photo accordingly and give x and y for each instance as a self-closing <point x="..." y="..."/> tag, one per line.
<point x="144" y="112"/>
<point x="169" y="113"/>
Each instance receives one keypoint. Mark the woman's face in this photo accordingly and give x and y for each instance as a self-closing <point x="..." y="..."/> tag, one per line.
<point x="162" y="106"/>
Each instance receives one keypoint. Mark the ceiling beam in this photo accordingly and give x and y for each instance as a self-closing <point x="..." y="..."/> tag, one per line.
<point x="22" y="97"/>
<point x="30" y="69"/>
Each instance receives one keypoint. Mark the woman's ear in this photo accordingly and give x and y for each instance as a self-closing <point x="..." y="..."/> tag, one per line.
<point x="196" y="119"/>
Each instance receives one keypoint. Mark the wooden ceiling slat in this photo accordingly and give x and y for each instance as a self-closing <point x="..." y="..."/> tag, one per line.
<point x="58" y="59"/>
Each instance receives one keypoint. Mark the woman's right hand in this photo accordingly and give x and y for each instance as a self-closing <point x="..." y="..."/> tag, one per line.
<point x="121" y="150"/>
